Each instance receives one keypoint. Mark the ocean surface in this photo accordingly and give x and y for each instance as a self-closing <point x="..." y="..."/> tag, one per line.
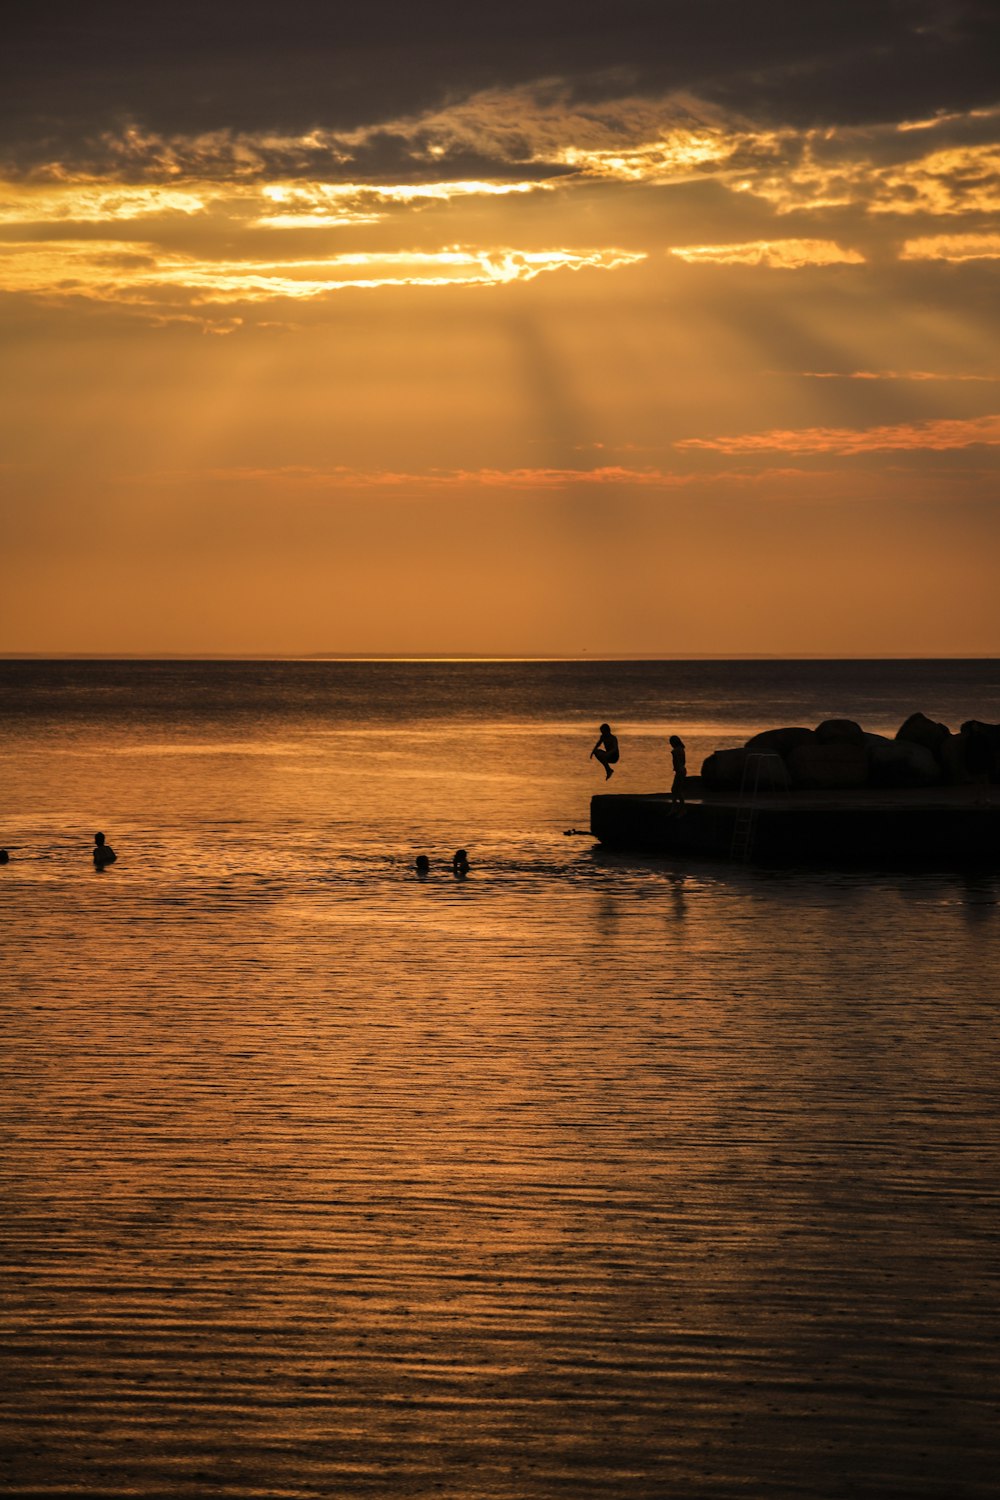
<point x="586" y="1176"/>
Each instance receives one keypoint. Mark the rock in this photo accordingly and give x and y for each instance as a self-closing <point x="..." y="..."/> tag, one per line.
<point x="981" y="750"/>
<point x="900" y="762"/>
<point x="838" y="754"/>
<point x="838" y="763"/>
<point x="840" y="731"/>
<point x="952" y="760"/>
<point x="919" y="730"/>
<point x="781" y="741"/>
<point x="766" y="772"/>
<point x="723" y="770"/>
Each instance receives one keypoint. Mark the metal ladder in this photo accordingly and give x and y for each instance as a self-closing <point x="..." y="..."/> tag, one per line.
<point x="757" y="766"/>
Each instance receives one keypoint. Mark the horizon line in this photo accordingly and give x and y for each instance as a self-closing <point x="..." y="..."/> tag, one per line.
<point x="447" y="657"/>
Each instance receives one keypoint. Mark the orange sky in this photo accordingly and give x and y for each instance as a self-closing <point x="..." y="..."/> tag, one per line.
<point x="523" y="370"/>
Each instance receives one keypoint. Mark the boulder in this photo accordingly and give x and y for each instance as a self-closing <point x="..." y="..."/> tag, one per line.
<point x="766" y="771"/>
<point x="900" y="763"/>
<point x="723" y="770"/>
<point x="919" y="730"/>
<point x="981" y="750"/>
<point x="779" y="741"/>
<point x="951" y="756"/>
<point x="837" y="764"/>
<point x="840" y="731"/>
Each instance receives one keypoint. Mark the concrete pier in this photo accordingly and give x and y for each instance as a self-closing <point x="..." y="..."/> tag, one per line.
<point x="936" y="825"/>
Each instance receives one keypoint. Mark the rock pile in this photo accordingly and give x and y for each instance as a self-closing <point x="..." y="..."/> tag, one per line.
<point x="839" y="754"/>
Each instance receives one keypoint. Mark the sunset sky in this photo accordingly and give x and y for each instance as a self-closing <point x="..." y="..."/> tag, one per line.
<point x="548" y="329"/>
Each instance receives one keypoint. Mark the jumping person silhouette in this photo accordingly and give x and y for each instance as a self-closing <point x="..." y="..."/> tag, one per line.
<point x="606" y="750"/>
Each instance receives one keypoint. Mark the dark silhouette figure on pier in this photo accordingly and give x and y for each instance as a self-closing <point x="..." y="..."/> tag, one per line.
<point x="460" y="864"/>
<point x="606" y="750"/>
<point x="103" y="852"/>
<point x="422" y="866"/>
<point x="678" y="756"/>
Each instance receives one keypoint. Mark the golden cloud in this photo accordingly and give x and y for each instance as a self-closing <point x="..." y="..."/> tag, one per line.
<point x="678" y="153"/>
<point x="541" y="124"/>
<point x="538" y="140"/>
<point x="109" y="271"/>
<point x="948" y="117"/>
<point x="95" y="202"/>
<point x="814" y="175"/>
<point x="218" y="155"/>
<point x="516" y="479"/>
<point x="630" y="138"/>
<point x="660" y="141"/>
<point x="324" y="204"/>
<point x="961" y="180"/>
<point x="279" y="204"/>
<point x="957" y="247"/>
<point x="892" y="375"/>
<point x="779" y="254"/>
<point x="279" y="181"/>
<point x="938" y="435"/>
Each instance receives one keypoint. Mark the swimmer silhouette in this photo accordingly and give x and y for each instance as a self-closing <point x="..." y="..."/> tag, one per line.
<point x="460" y="863"/>
<point x="422" y="865"/>
<point x="103" y="853"/>
<point x="4" y="857"/>
<point x="606" y="750"/>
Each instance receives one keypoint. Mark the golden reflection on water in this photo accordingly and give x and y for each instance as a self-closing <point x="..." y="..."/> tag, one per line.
<point x="583" y="1176"/>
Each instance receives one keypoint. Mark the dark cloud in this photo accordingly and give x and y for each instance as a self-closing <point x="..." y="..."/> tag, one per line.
<point x="73" y="71"/>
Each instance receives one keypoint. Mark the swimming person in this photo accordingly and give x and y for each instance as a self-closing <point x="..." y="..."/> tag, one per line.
<point x="422" y="865"/>
<point x="103" y="853"/>
<point x="460" y="863"/>
<point x="606" y="750"/>
<point x="4" y="857"/>
<point x="678" y="756"/>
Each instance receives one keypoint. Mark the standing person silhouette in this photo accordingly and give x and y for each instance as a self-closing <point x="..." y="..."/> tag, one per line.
<point x="678" y="756"/>
<point x="606" y="750"/>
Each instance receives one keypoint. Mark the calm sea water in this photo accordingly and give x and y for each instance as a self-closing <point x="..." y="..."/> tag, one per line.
<point x="586" y="1176"/>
